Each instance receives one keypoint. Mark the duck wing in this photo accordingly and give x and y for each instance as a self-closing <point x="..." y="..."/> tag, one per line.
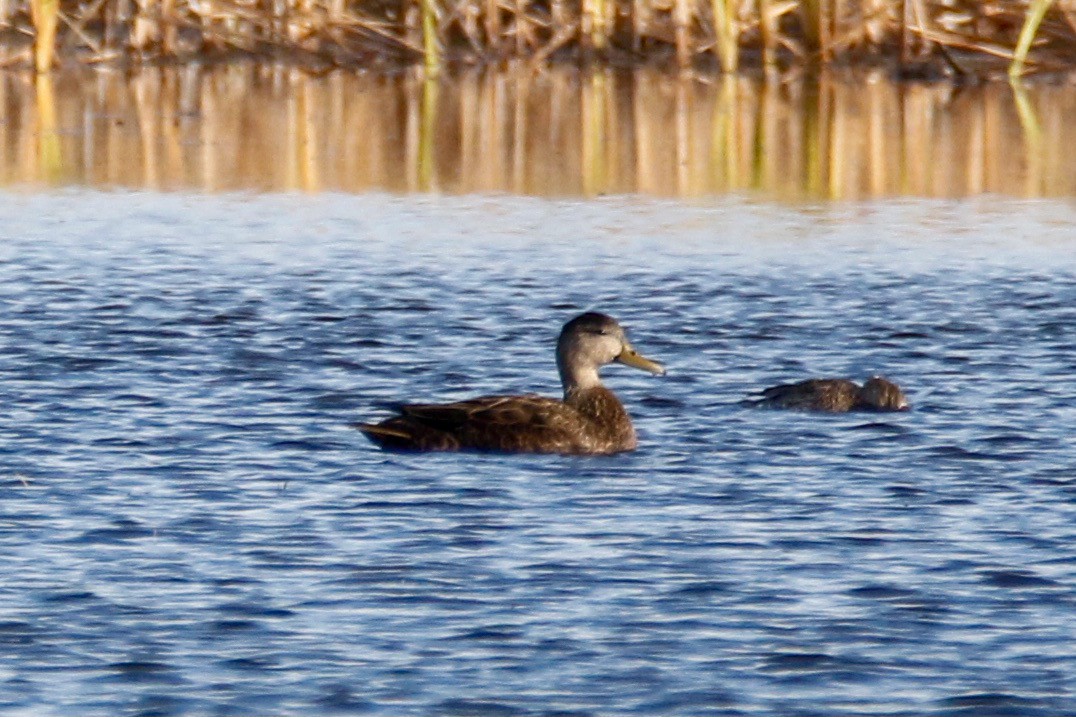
<point x="528" y="423"/>
<point x="816" y="394"/>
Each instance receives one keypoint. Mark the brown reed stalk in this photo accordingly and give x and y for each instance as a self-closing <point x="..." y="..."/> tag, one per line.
<point x="641" y="17"/>
<point x="767" y="28"/>
<point x="538" y="28"/>
<point x="168" y="27"/>
<point x="811" y="21"/>
<point x="493" y="24"/>
<point x="682" y="17"/>
<point x="520" y="26"/>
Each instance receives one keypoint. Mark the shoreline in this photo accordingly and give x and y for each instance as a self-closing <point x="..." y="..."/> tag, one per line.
<point x="911" y="39"/>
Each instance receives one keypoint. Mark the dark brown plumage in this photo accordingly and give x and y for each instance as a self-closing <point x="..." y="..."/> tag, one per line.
<point x="590" y="419"/>
<point x="835" y="395"/>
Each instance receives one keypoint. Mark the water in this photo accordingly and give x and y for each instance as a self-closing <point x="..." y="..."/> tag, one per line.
<point x="188" y="525"/>
<point x="554" y="131"/>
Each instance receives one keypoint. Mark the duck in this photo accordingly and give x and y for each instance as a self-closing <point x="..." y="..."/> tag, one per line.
<point x="588" y="420"/>
<point x="835" y="395"/>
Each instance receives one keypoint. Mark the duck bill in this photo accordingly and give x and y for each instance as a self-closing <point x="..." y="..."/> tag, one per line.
<point x="630" y="357"/>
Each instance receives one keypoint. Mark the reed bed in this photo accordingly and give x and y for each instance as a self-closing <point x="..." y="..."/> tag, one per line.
<point x="917" y="37"/>
<point x="559" y="132"/>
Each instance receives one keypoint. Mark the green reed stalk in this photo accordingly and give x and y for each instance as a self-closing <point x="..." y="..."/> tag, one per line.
<point x="1029" y="120"/>
<point x="44" y="14"/>
<point x="431" y="46"/>
<point x="1035" y="13"/>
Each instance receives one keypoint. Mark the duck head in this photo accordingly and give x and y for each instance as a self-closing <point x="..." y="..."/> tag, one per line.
<point x="590" y="341"/>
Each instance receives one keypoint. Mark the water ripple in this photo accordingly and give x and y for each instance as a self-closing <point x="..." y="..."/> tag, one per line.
<point x="189" y="524"/>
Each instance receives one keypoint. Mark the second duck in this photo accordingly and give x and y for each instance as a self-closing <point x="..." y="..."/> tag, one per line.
<point x="834" y="395"/>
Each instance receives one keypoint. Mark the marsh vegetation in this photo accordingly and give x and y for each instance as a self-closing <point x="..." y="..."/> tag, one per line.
<point x="915" y="37"/>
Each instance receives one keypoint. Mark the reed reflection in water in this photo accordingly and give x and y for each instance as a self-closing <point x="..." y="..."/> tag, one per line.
<point x="557" y="132"/>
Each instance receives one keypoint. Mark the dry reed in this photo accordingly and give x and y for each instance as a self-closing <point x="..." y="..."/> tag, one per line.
<point x="916" y="36"/>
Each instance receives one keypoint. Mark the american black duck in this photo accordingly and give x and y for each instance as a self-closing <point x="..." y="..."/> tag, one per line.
<point x="835" y="395"/>
<point x="590" y="419"/>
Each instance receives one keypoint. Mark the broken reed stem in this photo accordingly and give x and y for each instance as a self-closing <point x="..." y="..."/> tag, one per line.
<point x="346" y="31"/>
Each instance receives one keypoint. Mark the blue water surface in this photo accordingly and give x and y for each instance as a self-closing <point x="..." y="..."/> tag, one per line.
<point x="188" y="524"/>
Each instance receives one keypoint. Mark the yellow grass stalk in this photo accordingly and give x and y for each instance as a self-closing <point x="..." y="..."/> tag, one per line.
<point x="427" y="167"/>
<point x="44" y="14"/>
<point x="431" y="45"/>
<point x="726" y="34"/>
<point x="1029" y="122"/>
<point x="726" y="131"/>
<point x="837" y="142"/>
<point x="875" y="16"/>
<point x="684" y="153"/>
<point x="49" y="156"/>
<point x="769" y="163"/>
<point x="813" y="133"/>
<point x="1035" y="13"/>
<point x="594" y="24"/>
<point x="641" y="17"/>
<point x="519" y="134"/>
<point x="594" y="135"/>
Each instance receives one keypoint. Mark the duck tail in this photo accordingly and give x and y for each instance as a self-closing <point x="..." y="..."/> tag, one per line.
<point x="384" y="435"/>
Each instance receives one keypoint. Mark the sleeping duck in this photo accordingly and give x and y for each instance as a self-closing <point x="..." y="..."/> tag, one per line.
<point x="835" y="395"/>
